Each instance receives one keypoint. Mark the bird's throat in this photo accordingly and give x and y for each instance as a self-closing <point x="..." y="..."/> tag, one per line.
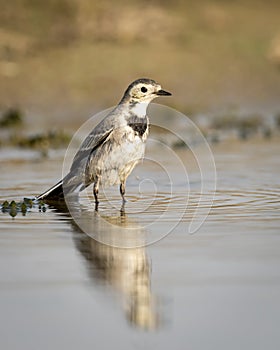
<point x="139" y="109"/>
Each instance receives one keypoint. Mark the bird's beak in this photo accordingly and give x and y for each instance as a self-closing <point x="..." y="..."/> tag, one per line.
<point x="163" y="93"/>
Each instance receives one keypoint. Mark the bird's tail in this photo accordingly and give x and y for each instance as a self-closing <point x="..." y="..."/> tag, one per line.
<point x="53" y="193"/>
<point x="67" y="186"/>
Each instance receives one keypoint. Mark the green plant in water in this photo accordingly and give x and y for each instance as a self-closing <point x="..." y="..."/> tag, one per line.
<point x="13" y="208"/>
<point x="11" y="118"/>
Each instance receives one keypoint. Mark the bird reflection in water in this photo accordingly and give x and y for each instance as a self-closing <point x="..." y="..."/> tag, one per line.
<point x="126" y="270"/>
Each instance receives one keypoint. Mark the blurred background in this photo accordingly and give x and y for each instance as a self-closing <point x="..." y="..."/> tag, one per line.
<point x="63" y="60"/>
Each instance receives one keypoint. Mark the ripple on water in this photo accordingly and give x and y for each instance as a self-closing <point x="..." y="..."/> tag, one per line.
<point x="223" y="206"/>
<point x="258" y="204"/>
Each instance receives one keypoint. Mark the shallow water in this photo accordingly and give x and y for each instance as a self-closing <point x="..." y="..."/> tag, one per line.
<point x="217" y="288"/>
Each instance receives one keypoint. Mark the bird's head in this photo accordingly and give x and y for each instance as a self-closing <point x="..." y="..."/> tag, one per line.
<point x="143" y="91"/>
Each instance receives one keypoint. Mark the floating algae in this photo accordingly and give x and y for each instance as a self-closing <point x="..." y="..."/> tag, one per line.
<point x="24" y="206"/>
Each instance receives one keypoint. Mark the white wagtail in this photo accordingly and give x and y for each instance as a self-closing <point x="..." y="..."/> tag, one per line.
<point x="113" y="148"/>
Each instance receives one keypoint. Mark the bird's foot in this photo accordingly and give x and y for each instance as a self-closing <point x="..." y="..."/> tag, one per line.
<point x="122" y="210"/>
<point x="96" y="206"/>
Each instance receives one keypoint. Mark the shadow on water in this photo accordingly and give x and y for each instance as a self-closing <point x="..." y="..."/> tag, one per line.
<point x="125" y="271"/>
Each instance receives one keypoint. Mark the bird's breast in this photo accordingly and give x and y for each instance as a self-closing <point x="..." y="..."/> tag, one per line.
<point x="139" y="125"/>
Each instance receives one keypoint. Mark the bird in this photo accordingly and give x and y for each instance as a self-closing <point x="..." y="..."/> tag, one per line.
<point x="112" y="149"/>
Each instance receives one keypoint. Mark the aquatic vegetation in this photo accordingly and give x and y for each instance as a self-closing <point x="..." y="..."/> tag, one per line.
<point x="10" y="122"/>
<point x="50" y="139"/>
<point x="244" y="125"/>
<point x="13" y="117"/>
<point x="277" y="120"/>
<point x="13" y="208"/>
<point x="179" y="144"/>
<point x="235" y="121"/>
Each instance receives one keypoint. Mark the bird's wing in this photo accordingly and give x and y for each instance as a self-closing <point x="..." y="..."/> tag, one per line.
<point x="96" y="138"/>
<point x="93" y="141"/>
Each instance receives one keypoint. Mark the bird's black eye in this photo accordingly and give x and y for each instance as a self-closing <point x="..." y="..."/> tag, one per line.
<point x="144" y="89"/>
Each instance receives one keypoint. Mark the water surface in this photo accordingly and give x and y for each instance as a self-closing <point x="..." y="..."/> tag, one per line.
<point x="215" y="289"/>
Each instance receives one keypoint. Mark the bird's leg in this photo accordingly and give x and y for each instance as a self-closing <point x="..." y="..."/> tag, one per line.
<point x="122" y="212"/>
<point x="122" y="191"/>
<point x="95" y="193"/>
